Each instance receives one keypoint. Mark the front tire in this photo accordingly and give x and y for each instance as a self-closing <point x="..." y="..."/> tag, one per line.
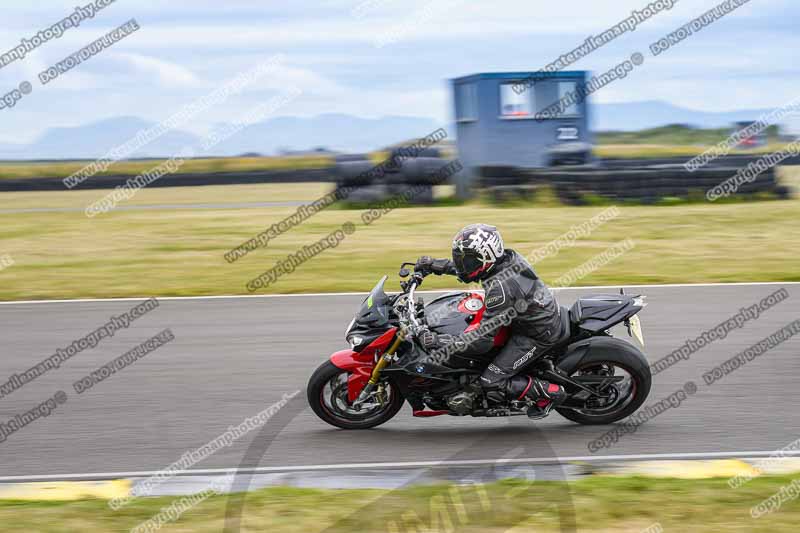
<point x="327" y="395"/>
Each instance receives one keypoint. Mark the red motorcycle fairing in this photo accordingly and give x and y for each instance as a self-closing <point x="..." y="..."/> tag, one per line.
<point x="477" y="315"/>
<point x="501" y="337"/>
<point x="360" y="364"/>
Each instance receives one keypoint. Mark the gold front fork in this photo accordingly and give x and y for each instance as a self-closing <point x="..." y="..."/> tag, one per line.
<point x="382" y="363"/>
<point x="387" y="357"/>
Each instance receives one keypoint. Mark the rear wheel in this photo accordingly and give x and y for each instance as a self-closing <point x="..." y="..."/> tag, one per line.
<point x="623" y="381"/>
<point x="327" y="395"/>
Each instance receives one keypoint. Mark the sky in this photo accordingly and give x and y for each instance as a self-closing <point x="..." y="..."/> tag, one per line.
<point x="373" y="58"/>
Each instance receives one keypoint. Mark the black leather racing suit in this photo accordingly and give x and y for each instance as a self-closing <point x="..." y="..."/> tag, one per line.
<point x="515" y="290"/>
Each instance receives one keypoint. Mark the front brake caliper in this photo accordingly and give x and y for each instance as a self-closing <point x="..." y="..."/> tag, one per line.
<point x="380" y="394"/>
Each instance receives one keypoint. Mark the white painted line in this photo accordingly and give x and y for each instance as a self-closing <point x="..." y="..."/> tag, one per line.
<point x="438" y="291"/>
<point x="406" y="465"/>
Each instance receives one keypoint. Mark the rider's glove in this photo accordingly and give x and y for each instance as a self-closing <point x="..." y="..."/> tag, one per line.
<point x="428" y="339"/>
<point x="431" y="340"/>
<point x="428" y="265"/>
<point x="424" y="265"/>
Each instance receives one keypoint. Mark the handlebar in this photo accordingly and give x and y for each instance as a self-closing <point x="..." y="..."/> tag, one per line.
<point x="412" y="306"/>
<point x="409" y="287"/>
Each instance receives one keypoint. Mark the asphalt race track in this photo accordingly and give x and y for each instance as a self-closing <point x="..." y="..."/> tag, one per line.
<point x="233" y="357"/>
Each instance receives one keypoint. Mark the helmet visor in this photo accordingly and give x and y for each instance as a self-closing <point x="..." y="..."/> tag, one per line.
<point x="467" y="264"/>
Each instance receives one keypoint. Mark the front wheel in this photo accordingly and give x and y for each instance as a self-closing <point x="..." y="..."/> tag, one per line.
<point x="624" y="380"/>
<point x="327" y="395"/>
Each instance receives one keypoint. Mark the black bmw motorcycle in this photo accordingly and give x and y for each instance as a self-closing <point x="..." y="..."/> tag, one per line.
<point x="606" y="378"/>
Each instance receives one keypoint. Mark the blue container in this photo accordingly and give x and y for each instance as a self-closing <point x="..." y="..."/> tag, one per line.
<point x="517" y="119"/>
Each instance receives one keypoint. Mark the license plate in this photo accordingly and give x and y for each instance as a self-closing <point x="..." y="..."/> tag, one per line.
<point x="635" y="329"/>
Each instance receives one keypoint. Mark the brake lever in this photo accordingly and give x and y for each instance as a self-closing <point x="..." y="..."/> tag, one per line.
<point x="404" y="272"/>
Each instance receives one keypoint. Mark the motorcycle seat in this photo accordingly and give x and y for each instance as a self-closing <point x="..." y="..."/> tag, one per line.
<point x="566" y="324"/>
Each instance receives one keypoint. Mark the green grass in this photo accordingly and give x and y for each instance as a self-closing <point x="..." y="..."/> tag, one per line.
<point x="180" y="252"/>
<point x="673" y="135"/>
<point x="790" y="176"/>
<point x="597" y="505"/>
<point x="666" y="141"/>
<point x="650" y="151"/>
<point x="63" y="169"/>
<point x="79" y="199"/>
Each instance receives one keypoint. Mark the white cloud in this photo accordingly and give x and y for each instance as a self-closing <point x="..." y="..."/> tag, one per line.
<point x="185" y="48"/>
<point x="168" y="74"/>
<point x="287" y="74"/>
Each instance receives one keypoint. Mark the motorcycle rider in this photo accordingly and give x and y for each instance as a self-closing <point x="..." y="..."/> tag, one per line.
<point x="510" y="284"/>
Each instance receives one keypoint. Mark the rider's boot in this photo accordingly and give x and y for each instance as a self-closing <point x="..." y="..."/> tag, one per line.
<point x="545" y="395"/>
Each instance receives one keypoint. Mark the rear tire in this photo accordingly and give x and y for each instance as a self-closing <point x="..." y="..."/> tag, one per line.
<point x="327" y="373"/>
<point x="641" y="378"/>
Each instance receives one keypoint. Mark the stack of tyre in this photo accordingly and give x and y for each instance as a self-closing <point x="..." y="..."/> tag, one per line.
<point x="504" y="183"/>
<point x="651" y="184"/>
<point x="648" y="184"/>
<point x="406" y="172"/>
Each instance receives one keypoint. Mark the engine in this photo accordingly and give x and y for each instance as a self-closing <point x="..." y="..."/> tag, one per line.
<point x="468" y="399"/>
<point x="462" y="403"/>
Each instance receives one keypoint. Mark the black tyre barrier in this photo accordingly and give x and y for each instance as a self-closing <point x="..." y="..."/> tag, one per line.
<point x="175" y="180"/>
<point x="646" y="185"/>
<point x="731" y="160"/>
<point x="405" y="154"/>
<point x="501" y="181"/>
<point x="497" y="171"/>
<point x="413" y="194"/>
<point x="360" y="173"/>
<point x="783" y="192"/>
<point x="405" y="194"/>
<point x="422" y="169"/>
<point x="570" y="159"/>
<point x="347" y="158"/>
<point x="366" y="193"/>
<point x="513" y="192"/>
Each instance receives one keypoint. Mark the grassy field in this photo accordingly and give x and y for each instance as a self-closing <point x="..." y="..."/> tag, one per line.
<point x="790" y="176"/>
<point x="132" y="168"/>
<point x="605" y="505"/>
<point x="658" y="142"/>
<point x="649" y="151"/>
<point x="79" y="199"/>
<point x="180" y="252"/>
<point x="673" y="135"/>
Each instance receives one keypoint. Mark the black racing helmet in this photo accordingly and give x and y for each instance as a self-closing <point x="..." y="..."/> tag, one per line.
<point x="476" y="250"/>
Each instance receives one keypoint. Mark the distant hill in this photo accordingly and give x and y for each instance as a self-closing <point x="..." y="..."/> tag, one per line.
<point x="346" y="133"/>
<point x="337" y="132"/>
<point x="95" y="139"/>
<point x="634" y="116"/>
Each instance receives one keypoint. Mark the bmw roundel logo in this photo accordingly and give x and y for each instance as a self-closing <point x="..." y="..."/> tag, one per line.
<point x="420" y="368"/>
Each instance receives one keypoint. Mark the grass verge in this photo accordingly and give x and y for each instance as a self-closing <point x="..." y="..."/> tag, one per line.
<point x="180" y="252"/>
<point x="613" y="145"/>
<point x="595" y="504"/>
<point x="651" y="151"/>
<point x="62" y="169"/>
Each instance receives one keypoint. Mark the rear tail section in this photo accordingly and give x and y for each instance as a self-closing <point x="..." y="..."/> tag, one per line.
<point x="601" y="312"/>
